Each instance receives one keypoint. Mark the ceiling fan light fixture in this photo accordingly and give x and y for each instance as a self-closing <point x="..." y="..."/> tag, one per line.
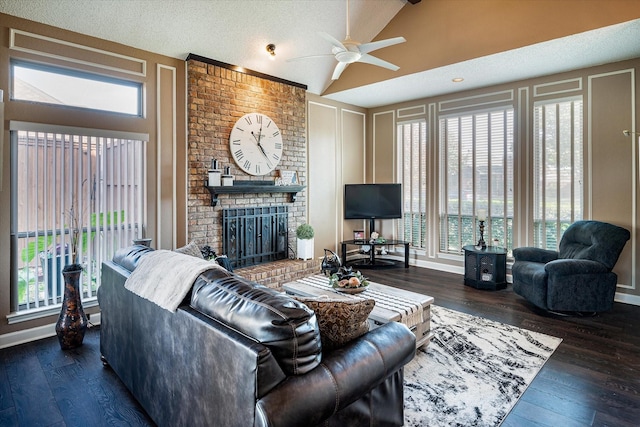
<point x="348" y="57"/>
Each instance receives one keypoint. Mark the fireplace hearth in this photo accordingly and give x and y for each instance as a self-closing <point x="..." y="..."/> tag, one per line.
<point x="255" y="235"/>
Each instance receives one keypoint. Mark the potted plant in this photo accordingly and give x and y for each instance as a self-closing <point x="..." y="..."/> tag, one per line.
<point x="304" y="234"/>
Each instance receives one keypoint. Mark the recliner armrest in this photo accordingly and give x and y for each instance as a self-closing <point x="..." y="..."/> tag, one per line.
<point x="534" y="254"/>
<point x="575" y="266"/>
<point x="344" y="375"/>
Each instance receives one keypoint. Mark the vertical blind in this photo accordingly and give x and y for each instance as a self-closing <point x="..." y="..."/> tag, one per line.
<point x="66" y="182"/>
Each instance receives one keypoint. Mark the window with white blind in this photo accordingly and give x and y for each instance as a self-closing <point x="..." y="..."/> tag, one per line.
<point x="476" y="164"/>
<point x="557" y="169"/>
<point x="412" y="174"/>
<point x="59" y="178"/>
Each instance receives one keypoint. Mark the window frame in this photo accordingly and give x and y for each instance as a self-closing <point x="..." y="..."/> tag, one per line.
<point x="422" y="191"/>
<point x="80" y="74"/>
<point x="538" y="214"/>
<point x="467" y="222"/>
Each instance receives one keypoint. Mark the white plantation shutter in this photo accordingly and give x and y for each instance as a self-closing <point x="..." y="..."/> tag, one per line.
<point x="412" y="152"/>
<point x="476" y="173"/>
<point x="557" y="169"/>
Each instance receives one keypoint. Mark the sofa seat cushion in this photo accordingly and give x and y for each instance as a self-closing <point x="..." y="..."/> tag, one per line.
<point x="341" y="320"/>
<point x="286" y="326"/>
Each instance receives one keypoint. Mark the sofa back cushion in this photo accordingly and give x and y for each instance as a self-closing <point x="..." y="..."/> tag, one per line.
<point x="595" y="241"/>
<point x="130" y="256"/>
<point x="286" y="326"/>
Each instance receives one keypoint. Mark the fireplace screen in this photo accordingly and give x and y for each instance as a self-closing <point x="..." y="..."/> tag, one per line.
<point x="255" y="235"/>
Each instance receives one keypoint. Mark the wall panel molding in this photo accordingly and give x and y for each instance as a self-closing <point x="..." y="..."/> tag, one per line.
<point x="418" y="110"/>
<point x="611" y="99"/>
<point x="557" y="88"/>
<point x="390" y="115"/>
<point x="48" y="47"/>
<point x="484" y="100"/>
<point x="166" y="150"/>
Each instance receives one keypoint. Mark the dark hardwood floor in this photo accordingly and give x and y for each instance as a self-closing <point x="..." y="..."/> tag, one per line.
<point x="592" y="379"/>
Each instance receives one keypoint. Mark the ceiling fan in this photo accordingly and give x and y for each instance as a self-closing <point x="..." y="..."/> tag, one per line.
<point x="349" y="51"/>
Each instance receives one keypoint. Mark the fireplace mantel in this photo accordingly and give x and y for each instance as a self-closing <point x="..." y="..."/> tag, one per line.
<point x="253" y="187"/>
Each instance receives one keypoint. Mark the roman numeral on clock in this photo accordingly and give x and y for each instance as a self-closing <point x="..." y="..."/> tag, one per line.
<point x="247" y="164"/>
<point x="276" y="133"/>
<point x="248" y="120"/>
<point x="278" y="145"/>
<point x="257" y="168"/>
<point x="239" y="154"/>
<point x="258" y="119"/>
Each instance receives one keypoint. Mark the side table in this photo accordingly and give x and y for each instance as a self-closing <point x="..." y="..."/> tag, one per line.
<point x="485" y="268"/>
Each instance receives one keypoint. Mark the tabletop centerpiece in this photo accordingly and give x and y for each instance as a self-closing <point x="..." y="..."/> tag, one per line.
<point x="348" y="281"/>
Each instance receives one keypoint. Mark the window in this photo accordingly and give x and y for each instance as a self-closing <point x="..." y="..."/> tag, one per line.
<point x="100" y="179"/>
<point x="476" y="166"/>
<point x="412" y="173"/>
<point x="557" y="169"/>
<point x="58" y="86"/>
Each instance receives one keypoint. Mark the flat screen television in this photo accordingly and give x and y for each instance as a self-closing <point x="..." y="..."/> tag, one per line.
<point x="372" y="201"/>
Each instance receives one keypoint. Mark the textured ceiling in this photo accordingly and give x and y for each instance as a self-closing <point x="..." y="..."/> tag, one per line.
<point x="237" y="32"/>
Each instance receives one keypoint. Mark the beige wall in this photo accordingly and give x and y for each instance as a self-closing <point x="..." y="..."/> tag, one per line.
<point x="611" y="159"/>
<point x="336" y="153"/>
<point x="163" y="120"/>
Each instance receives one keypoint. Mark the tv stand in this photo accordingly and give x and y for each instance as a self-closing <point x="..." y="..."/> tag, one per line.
<point x="374" y="261"/>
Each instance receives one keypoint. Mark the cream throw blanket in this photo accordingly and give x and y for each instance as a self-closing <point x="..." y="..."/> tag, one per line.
<point x="165" y="277"/>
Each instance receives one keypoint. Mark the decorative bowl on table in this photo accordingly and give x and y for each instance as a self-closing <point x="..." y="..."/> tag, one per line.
<point x="348" y="281"/>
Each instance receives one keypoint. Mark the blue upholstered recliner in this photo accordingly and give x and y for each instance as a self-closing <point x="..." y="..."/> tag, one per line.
<point x="578" y="277"/>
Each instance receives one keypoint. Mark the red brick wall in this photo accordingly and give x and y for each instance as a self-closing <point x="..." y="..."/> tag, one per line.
<point x="217" y="97"/>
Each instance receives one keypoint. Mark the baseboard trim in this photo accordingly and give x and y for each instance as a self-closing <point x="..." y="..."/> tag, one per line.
<point x="38" y="333"/>
<point x="627" y="299"/>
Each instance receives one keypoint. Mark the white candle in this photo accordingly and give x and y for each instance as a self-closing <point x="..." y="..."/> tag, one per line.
<point x="482" y="214"/>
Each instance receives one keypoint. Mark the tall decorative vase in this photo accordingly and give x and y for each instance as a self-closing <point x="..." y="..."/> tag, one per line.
<point x="72" y="323"/>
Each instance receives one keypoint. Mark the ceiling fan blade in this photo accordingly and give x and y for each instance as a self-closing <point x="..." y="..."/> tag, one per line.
<point x="299" y="58"/>
<point x="370" y="47"/>
<point x="337" y="43"/>
<point x="369" y="59"/>
<point x="338" y="70"/>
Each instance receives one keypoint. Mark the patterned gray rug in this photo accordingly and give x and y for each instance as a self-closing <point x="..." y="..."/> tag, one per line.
<point x="473" y="371"/>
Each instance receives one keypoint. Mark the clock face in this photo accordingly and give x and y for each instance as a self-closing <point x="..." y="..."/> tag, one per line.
<point x="256" y="144"/>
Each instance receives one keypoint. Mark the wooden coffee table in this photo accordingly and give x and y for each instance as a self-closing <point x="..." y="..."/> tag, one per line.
<point x="392" y="304"/>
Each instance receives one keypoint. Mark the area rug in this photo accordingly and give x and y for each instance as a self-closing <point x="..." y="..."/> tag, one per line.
<point x="473" y="372"/>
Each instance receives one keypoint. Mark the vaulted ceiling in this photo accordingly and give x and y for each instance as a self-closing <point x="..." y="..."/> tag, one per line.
<point x="483" y="41"/>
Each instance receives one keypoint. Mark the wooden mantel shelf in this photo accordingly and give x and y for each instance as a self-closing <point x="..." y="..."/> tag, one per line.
<point x="253" y="187"/>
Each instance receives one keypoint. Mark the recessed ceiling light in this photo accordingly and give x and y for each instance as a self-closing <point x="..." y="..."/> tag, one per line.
<point x="457" y="79"/>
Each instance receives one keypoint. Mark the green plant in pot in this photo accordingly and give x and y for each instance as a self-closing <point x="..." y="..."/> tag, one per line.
<point x="304" y="234"/>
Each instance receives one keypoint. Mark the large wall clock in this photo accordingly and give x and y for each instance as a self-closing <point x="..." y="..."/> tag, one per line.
<point x="256" y="144"/>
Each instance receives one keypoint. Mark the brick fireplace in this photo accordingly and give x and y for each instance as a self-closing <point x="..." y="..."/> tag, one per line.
<point x="218" y="95"/>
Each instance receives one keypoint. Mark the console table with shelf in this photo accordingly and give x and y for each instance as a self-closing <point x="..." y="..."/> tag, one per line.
<point x="374" y="261"/>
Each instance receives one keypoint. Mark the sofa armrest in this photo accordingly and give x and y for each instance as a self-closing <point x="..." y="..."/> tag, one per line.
<point x="344" y="375"/>
<point x="562" y="267"/>
<point x="534" y="254"/>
